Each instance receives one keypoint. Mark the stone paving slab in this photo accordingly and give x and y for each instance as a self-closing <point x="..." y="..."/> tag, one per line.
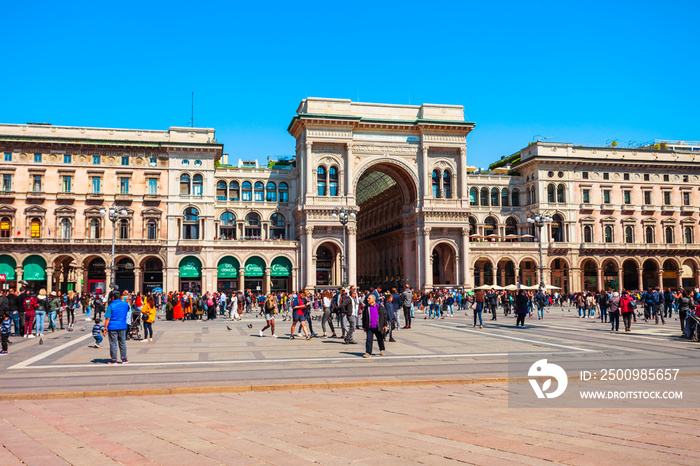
<point x="408" y="425"/>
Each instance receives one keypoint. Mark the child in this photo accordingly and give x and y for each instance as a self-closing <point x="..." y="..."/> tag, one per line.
<point x="97" y="331"/>
<point x="5" y="331"/>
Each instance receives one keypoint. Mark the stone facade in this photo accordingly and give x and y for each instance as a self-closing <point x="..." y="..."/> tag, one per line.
<point x="621" y="217"/>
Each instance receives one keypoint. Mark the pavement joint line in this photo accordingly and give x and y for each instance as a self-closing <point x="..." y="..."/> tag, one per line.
<point x="46" y="354"/>
<point x="267" y="361"/>
<point x="491" y="334"/>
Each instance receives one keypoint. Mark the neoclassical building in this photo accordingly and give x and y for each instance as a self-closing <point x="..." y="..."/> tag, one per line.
<point x="621" y="217"/>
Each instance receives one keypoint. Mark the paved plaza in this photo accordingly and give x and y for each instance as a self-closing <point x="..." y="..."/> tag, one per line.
<point x="439" y="395"/>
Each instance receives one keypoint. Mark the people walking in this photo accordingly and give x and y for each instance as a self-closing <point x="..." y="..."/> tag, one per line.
<point x="269" y="308"/>
<point x="327" y="302"/>
<point x="299" y="315"/>
<point x="520" y="308"/>
<point x="148" y="311"/>
<point x="406" y="303"/>
<point x="374" y="323"/>
<point x="613" y="309"/>
<point x="478" y="307"/>
<point x="627" y="307"/>
<point x="117" y="320"/>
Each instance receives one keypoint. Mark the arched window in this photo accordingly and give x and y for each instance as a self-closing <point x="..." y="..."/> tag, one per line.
<point x="321" y="180"/>
<point x="220" y="190"/>
<point x="95" y="228"/>
<point x="550" y="193"/>
<point x="587" y="234"/>
<point x="35" y="228"/>
<point x="247" y="191"/>
<point x="227" y="226"/>
<point x="688" y="235"/>
<point x="629" y="234"/>
<point x="557" y="227"/>
<point x="65" y="228"/>
<point x="494" y="197"/>
<point x="5" y="227"/>
<point x="333" y="181"/>
<point x="197" y="185"/>
<point x="284" y="192"/>
<point x="515" y="198"/>
<point x="184" y="184"/>
<point x="123" y="229"/>
<point x="489" y="227"/>
<point x="447" y="184"/>
<point x="472" y="226"/>
<point x="152" y="229"/>
<point x="511" y="229"/>
<point x="484" y="196"/>
<point x="561" y="193"/>
<point x="436" y="184"/>
<point x="271" y="192"/>
<point x="505" y="197"/>
<point x="234" y="192"/>
<point x="608" y="234"/>
<point x="190" y="224"/>
<point x="252" y="226"/>
<point x="278" y="226"/>
<point x="669" y="235"/>
<point x="258" y="191"/>
<point x="649" y="235"/>
<point x="474" y="197"/>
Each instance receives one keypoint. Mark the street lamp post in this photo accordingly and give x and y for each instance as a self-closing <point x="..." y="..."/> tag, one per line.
<point x="344" y="215"/>
<point x="539" y="220"/>
<point x="114" y="215"/>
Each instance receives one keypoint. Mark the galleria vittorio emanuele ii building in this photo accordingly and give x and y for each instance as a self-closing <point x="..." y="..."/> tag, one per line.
<point x="417" y="212"/>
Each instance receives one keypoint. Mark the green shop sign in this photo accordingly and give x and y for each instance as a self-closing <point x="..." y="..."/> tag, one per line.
<point x="255" y="267"/>
<point x="190" y="267"/>
<point x="34" y="269"/>
<point x="228" y="268"/>
<point x="281" y="267"/>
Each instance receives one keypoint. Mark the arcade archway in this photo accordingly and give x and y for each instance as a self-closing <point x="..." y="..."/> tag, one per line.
<point x="386" y="196"/>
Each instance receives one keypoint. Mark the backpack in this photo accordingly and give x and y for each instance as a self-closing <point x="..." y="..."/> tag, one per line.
<point x="200" y="303"/>
<point x="29" y="304"/>
<point x="658" y="297"/>
<point x="187" y="301"/>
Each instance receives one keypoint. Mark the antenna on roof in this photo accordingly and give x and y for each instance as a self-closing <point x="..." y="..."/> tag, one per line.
<point x="539" y="137"/>
<point x="192" y="119"/>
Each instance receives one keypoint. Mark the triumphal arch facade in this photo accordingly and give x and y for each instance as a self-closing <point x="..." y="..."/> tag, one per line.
<point x="403" y="170"/>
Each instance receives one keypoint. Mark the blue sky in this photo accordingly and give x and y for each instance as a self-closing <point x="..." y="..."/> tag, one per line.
<point x="583" y="72"/>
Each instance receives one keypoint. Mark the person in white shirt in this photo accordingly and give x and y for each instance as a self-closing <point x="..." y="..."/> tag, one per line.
<point x="327" y="317"/>
<point x="233" y="310"/>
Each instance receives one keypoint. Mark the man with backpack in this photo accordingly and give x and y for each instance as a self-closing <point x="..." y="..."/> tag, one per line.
<point x="659" y="306"/>
<point x="648" y="299"/>
<point x="540" y="300"/>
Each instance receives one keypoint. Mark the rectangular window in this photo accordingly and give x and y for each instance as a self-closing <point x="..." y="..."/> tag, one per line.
<point x="686" y="198"/>
<point x="37" y="158"/>
<point x="153" y="161"/>
<point x="125" y="160"/>
<point x="96" y="182"/>
<point x="606" y="196"/>
<point x="8" y="156"/>
<point x="153" y="186"/>
<point x="584" y="175"/>
<point x="667" y="197"/>
<point x="95" y="159"/>
<point x="647" y="197"/>
<point x="685" y="178"/>
<point x="36" y="184"/>
<point x="626" y="176"/>
<point x="606" y="176"/>
<point x="36" y="230"/>
<point x="7" y="183"/>
<point x="667" y="177"/>
<point x="646" y="177"/>
<point x="67" y="158"/>
<point x="586" y="196"/>
<point x="124" y="185"/>
<point x="627" y="197"/>
<point x="66" y="183"/>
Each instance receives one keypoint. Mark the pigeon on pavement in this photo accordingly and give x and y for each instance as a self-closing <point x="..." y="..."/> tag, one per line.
<point x="41" y="341"/>
<point x="228" y="328"/>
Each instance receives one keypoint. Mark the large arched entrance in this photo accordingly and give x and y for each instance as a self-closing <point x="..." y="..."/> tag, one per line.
<point x="386" y="196"/>
<point x="443" y="265"/>
<point x="671" y="274"/>
<point x="328" y="271"/>
<point x="630" y="275"/>
<point x="589" y="271"/>
<point x="650" y="274"/>
<point x="125" y="279"/>
<point x="65" y="269"/>
<point x="152" y="274"/>
<point x="610" y="276"/>
<point x="97" y="276"/>
<point x="560" y="274"/>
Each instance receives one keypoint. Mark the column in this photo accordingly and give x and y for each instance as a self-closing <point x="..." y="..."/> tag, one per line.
<point x="419" y="259"/>
<point x="503" y="275"/>
<point x="619" y="279"/>
<point x="599" y="281"/>
<point x="464" y="189"/>
<point x="428" y="258"/>
<point x="295" y="283"/>
<point x="464" y="254"/>
<point x="241" y="278"/>
<point x="266" y="281"/>
<point x="18" y="273"/>
<point x="205" y="281"/>
<point x="138" y="285"/>
<point x="640" y="278"/>
<point x="309" y="257"/>
<point x="78" y="280"/>
<point x="349" y="189"/>
<point x="457" y="271"/>
<point x="108" y="279"/>
<point x="482" y="279"/>
<point x="309" y="169"/>
<point x="679" y="282"/>
<point x="49" y="279"/>
<point x="494" y="274"/>
<point x="427" y="192"/>
<point x="352" y="255"/>
<point x="660" y="281"/>
<point x="517" y="274"/>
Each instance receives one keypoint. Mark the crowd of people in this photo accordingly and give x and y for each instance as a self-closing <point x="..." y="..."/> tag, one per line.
<point x="376" y="311"/>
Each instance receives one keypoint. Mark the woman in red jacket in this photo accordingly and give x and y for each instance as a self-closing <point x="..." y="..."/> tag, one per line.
<point x="627" y="308"/>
